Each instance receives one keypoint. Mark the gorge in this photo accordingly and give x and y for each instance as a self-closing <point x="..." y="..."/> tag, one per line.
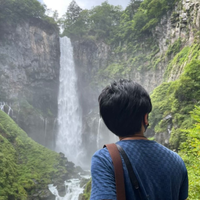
<point x="159" y="48"/>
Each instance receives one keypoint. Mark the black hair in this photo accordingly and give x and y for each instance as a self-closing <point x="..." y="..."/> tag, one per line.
<point x="123" y="105"/>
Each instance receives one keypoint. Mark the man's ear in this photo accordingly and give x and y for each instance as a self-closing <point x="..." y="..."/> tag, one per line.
<point x="146" y="121"/>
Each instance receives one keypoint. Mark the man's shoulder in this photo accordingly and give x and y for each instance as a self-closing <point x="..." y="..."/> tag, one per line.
<point x="101" y="155"/>
<point x="150" y="150"/>
<point x="169" y="152"/>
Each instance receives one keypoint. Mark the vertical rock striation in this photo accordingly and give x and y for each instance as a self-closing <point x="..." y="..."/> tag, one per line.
<point x="29" y="76"/>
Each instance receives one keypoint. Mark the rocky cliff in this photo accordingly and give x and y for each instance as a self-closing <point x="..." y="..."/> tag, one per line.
<point x="29" y="76"/>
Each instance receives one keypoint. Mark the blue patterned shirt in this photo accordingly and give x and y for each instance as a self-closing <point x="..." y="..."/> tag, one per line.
<point x="161" y="173"/>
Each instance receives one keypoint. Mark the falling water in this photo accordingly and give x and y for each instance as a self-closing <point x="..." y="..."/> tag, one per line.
<point x="2" y="107"/>
<point x="69" y="111"/>
<point x="73" y="190"/>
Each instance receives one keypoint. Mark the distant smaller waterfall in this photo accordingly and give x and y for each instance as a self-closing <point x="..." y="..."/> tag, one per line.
<point x="104" y="136"/>
<point x="6" y="108"/>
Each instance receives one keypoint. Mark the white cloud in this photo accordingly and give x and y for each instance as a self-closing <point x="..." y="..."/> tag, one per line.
<point x="59" y="5"/>
<point x="88" y="4"/>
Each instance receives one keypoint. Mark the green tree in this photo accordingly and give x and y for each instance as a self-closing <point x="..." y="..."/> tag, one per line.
<point x="104" y="19"/>
<point x="133" y="7"/>
<point x="98" y="23"/>
<point x="71" y="19"/>
<point x="11" y="11"/>
<point x="73" y="12"/>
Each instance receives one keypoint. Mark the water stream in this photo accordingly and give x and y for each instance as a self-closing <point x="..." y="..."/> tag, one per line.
<point x="9" y="109"/>
<point x="72" y="189"/>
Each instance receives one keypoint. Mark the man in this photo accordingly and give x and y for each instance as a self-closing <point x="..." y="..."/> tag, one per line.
<point x="162" y="175"/>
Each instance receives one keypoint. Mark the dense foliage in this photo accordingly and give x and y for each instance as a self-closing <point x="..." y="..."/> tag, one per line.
<point x="172" y="104"/>
<point x="112" y="24"/>
<point x="11" y="11"/>
<point x="190" y="152"/>
<point x="177" y="98"/>
<point x="25" y="166"/>
<point x="93" y="24"/>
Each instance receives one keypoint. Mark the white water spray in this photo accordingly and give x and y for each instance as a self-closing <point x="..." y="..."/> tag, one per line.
<point x="69" y="111"/>
<point x="72" y="189"/>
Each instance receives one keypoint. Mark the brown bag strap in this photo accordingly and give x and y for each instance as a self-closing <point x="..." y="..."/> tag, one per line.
<point x="118" y="168"/>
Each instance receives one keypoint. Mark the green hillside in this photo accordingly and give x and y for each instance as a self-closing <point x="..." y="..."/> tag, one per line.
<point x="25" y="166"/>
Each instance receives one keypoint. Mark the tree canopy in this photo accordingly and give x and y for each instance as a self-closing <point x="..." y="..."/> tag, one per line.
<point x="13" y="10"/>
<point x="113" y="24"/>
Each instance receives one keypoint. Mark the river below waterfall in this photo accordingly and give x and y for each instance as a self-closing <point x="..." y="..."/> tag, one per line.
<point x="73" y="189"/>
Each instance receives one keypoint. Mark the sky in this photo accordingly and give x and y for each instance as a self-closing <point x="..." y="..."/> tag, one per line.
<point x="61" y="5"/>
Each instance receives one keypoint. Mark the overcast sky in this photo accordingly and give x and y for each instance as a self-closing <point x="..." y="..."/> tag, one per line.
<point x="61" y="5"/>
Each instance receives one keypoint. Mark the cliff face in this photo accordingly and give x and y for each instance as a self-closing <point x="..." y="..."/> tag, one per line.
<point x="29" y="76"/>
<point x="182" y="23"/>
<point x="98" y="63"/>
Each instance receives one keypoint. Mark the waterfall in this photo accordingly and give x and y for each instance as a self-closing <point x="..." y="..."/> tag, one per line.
<point x="8" y="111"/>
<point x="69" y="137"/>
<point x="104" y="136"/>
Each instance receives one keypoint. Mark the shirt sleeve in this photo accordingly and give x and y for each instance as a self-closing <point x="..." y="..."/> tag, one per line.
<point x="103" y="179"/>
<point x="184" y="187"/>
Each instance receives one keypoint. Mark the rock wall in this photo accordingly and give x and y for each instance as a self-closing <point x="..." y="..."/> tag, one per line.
<point x="183" y="22"/>
<point x="29" y="76"/>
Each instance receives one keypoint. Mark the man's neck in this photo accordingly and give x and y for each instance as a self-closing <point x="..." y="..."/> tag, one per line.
<point x="137" y="136"/>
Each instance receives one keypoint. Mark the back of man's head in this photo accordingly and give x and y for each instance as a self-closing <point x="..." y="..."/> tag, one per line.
<point x="123" y="105"/>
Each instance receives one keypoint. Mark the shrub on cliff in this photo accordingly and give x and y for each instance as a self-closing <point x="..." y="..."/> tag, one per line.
<point x="87" y="191"/>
